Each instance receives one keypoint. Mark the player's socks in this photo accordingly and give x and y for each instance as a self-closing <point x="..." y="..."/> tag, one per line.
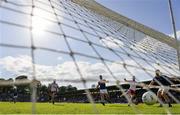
<point x="170" y="105"/>
<point x="136" y="102"/>
<point x="103" y="103"/>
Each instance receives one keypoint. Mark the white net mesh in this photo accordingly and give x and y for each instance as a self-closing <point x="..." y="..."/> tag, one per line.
<point x="58" y="39"/>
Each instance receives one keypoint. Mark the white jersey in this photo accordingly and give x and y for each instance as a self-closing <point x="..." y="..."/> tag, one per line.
<point x="54" y="87"/>
<point x="132" y="85"/>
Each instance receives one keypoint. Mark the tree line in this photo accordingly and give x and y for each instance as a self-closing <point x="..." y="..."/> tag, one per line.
<point x="25" y="90"/>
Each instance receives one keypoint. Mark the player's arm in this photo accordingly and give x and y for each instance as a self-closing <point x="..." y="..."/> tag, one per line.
<point x="174" y="85"/>
<point x="97" y="86"/>
<point x="57" y="88"/>
<point x="127" y="80"/>
<point x="49" y="87"/>
<point x="151" y="83"/>
<point x="106" y="81"/>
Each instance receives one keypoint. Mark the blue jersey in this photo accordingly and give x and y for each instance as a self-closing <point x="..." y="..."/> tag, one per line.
<point x="15" y="92"/>
<point x="102" y="84"/>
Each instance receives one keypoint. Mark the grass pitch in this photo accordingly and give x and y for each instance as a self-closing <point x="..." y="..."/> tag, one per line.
<point x="81" y="108"/>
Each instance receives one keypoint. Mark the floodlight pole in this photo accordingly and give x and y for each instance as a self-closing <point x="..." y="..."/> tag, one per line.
<point x="174" y="30"/>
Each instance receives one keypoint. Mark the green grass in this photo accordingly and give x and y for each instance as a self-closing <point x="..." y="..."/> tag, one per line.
<point x="74" y="108"/>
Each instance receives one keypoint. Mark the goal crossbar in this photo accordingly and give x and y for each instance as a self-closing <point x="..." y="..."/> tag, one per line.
<point x="100" y="9"/>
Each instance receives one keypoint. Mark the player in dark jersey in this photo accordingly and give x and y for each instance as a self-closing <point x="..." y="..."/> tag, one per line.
<point x="162" y="93"/>
<point x="54" y="88"/>
<point x="14" y="94"/>
<point x="103" y="90"/>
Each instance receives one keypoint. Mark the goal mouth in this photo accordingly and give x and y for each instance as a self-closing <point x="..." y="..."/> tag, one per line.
<point x="72" y="43"/>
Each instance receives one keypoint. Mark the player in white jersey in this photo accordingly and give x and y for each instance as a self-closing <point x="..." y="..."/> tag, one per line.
<point x="132" y="90"/>
<point x="53" y="90"/>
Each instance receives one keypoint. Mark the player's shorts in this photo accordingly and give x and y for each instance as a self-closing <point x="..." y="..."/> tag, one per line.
<point x="15" y="96"/>
<point x="131" y="92"/>
<point x="164" y="90"/>
<point x="53" y="92"/>
<point x="103" y="91"/>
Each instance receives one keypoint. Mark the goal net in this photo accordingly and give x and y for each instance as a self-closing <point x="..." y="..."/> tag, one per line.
<point x="72" y="42"/>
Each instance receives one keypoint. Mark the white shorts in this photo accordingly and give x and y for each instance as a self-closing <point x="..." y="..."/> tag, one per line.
<point x="103" y="91"/>
<point x="15" y="96"/>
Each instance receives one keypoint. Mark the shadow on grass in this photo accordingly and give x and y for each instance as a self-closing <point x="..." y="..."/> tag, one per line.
<point x="117" y="106"/>
<point x="58" y="104"/>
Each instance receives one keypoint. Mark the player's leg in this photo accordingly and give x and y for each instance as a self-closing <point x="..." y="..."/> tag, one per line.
<point x="123" y="94"/>
<point x="165" y="96"/>
<point x="102" y="97"/>
<point x="50" y="97"/>
<point x="107" y="97"/>
<point x="160" y="98"/>
<point x="14" y="99"/>
<point x="129" y="97"/>
<point x="11" y="99"/>
<point x="53" y="96"/>
<point x="134" y="98"/>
